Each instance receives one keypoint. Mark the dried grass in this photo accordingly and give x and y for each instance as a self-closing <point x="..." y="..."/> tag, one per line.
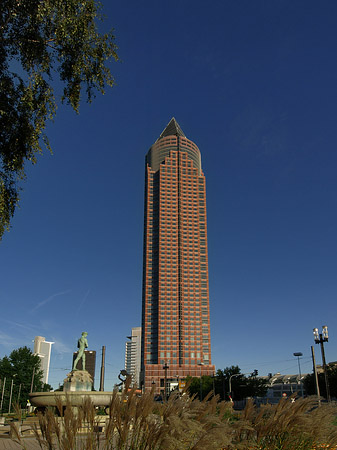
<point x="14" y="427"/>
<point x="289" y="425"/>
<point x="182" y="423"/>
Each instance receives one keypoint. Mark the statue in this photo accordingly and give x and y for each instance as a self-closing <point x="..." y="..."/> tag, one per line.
<point x="123" y="373"/>
<point x="82" y="344"/>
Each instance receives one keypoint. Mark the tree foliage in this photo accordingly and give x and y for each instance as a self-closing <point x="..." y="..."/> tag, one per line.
<point x="39" y="41"/>
<point x="310" y="385"/>
<point x="242" y="386"/>
<point x="194" y="385"/>
<point x="19" y="366"/>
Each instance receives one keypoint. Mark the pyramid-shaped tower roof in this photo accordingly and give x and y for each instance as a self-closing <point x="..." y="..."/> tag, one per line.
<point x="172" y="129"/>
<point x="163" y="147"/>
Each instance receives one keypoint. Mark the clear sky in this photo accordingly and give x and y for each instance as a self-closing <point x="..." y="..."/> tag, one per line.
<point x="253" y="84"/>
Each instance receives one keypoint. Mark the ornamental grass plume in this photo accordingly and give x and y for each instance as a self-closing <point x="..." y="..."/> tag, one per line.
<point x="184" y="423"/>
<point x="138" y="423"/>
<point x="60" y="431"/>
<point x="289" y="425"/>
<point x="180" y="423"/>
<point x="14" y="427"/>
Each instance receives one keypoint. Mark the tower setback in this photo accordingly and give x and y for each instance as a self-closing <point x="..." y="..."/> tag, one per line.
<point x="175" y="308"/>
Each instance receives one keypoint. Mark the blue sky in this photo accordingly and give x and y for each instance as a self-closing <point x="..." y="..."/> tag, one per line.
<point x="253" y="84"/>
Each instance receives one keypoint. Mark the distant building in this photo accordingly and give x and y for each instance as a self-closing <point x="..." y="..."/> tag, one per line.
<point x="42" y="348"/>
<point x="90" y="362"/>
<point x="284" y="386"/>
<point x="133" y="355"/>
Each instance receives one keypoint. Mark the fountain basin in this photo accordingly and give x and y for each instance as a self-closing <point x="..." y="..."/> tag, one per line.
<point x="75" y="398"/>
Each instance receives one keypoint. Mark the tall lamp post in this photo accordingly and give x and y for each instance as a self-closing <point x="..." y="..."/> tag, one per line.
<point x="2" y="395"/>
<point x="230" y="382"/>
<point x="213" y="379"/>
<point x="298" y="354"/>
<point x="165" y="381"/>
<point x="315" y="375"/>
<point x="200" y="364"/>
<point x="253" y="374"/>
<point x="320" y="338"/>
<point x="10" y="397"/>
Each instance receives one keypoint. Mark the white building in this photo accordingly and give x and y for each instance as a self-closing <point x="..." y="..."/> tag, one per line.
<point x="42" y="348"/>
<point x="133" y="349"/>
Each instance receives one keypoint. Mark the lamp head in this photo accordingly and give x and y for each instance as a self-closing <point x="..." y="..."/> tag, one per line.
<point x="325" y="333"/>
<point x="316" y="335"/>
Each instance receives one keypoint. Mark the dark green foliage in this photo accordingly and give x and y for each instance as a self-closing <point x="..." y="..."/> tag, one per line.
<point x="222" y="381"/>
<point x="194" y="385"/>
<point x="310" y="386"/>
<point x="242" y="386"/>
<point x="41" y="40"/>
<point x="19" y="367"/>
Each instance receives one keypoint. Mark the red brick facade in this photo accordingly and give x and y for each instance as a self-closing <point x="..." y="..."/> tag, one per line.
<point x="175" y="310"/>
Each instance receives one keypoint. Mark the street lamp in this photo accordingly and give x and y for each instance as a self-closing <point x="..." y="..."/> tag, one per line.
<point x="298" y="354"/>
<point x="213" y="380"/>
<point x="200" y="364"/>
<point x="230" y="382"/>
<point x="165" y="367"/>
<point x="2" y="395"/>
<point x="320" y="338"/>
<point x="10" y="397"/>
<point x="252" y="374"/>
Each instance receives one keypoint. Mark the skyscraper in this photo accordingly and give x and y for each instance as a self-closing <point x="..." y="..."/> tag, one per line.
<point x="175" y="308"/>
<point x="133" y="354"/>
<point x="42" y="348"/>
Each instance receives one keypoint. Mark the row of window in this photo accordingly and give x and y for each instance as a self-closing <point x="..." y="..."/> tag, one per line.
<point x="187" y="186"/>
<point x="175" y="341"/>
<point x="188" y="340"/>
<point x="193" y="305"/>
<point x="188" y="246"/>
<point x="153" y="341"/>
<point x="186" y="294"/>
<point x="187" y="362"/>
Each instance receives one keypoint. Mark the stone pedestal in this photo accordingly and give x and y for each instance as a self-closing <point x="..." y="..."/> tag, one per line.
<point x="77" y="380"/>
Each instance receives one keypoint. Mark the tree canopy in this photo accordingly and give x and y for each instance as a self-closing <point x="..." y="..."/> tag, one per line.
<point x="20" y="366"/>
<point x="310" y="385"/>
<point x="242" y="386"/>
<point x="41" y="40"/>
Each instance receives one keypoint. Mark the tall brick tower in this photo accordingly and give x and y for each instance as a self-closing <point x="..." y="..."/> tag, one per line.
<point x="175" y="309"/>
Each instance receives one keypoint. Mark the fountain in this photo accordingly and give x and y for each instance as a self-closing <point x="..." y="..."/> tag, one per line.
<point x="77" y="387"/>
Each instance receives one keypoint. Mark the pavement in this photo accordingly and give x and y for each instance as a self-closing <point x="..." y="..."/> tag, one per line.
<point x="8" y="441"/>
<point x="29" y="443"/>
